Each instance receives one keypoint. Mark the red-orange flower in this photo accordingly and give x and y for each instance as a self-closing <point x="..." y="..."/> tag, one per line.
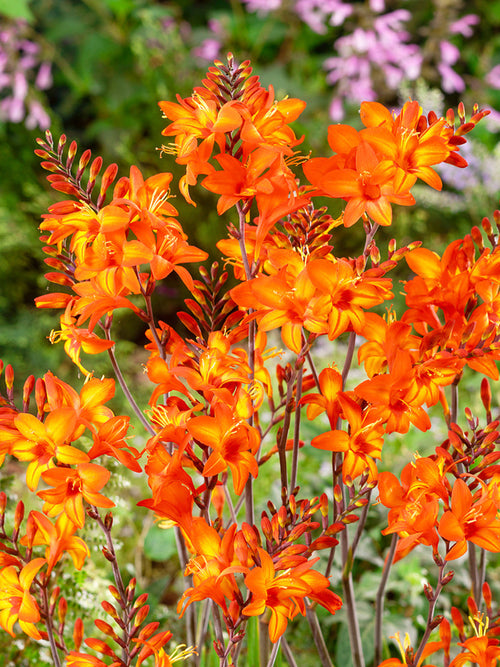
<point x="233" y="443"/>
<point x="59" y="538"/>
<point x="471" y="518"/>
<point x="16" y="602"/>
<point x="361" y="446"/>
<point x="284" y="593"/>
<point x="72" y="487"/>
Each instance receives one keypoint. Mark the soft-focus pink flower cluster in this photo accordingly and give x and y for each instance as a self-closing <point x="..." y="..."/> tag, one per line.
<point x="22" y="74"/>
<point x="381" y="46"/>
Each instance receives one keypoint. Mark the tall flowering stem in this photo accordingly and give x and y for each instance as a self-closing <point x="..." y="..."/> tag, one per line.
<point x="224" y="406"/>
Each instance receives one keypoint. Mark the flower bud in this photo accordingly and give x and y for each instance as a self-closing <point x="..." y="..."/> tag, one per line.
<point x="78" y="633"/>
<point x="9" y="380"/>
<point x="62" y="610"/>
<point x="487" y="597"/>
<point x="141" y="600"/>
<point x="18" y="517"/>
<point x="141" y="616"/>
<point x="28" y="387"/>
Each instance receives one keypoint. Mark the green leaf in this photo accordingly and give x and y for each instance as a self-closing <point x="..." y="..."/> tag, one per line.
<point x="159" y="544"/>
<point x="343" y="650"/>
<point x="16" y="9"/>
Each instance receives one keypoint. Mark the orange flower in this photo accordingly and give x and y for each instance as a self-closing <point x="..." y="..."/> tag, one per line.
<point x="16" y="602"/>
<point x="470" y="519"/>
<point x="362" y="445"/>
<point x="76" y="339"/>
<point x="414" y="502"/>
<point x="59" y="539"/>
<point x="109" y="439"/>
<point x="72" y="487"/>
<point x="284" y="593"/>
<point x="483" y="651"/>
<point x="330" y="385"/>
<point x="172" y="488"/>
<point x="368" y="182"/>
<point x="400" y="139"/>
<point x="42" y="442"/>
<point x="233" y="443"/>
<point x="212" y="567"/>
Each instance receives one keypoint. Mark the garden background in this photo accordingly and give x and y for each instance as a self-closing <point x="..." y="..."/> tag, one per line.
<point x="95" y="69"/>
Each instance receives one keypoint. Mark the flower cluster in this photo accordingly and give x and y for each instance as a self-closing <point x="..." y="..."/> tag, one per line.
<point x="22" y="74"/>
<point x="374" y="48"/>
<point x="221" y="409"/>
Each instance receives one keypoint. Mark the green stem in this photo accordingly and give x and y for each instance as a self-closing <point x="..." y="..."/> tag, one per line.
<point x="124" y="386"/>
<point x="379" y="600"/>
<point x="50" y="628"/>
<point x="296" y="432"/>
<point x="350" y="602"/>
<point x="351" y="345"/>
<point x="274" y="653"/>
<point x="318" y="638"/>
<point x="430" y="618"/>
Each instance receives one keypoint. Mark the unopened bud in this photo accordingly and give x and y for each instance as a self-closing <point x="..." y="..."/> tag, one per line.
<point x="447" y="577"/>
<point x="108" y="521"/>
<point x="40" y="397"/>
<point x="438" y="559"/>
<point x="105" y="628"/>
<point x="114" y="592"/>
<point x="486" y="395"/>
<point x="428" y="592"/>
<point x="141" y="616"/>
<point x="141" y="600"/>
<point x="78" y="633"/>
<point x="461" y="112"/>
<point x="3" y="502"/>
<point x="18" y="517"/>
<point x="110" y="610"/>
<point x="337" y="493"/>
<point x="437" y="620"/>
<point x="496" y="218"/>
<point x="131" y="589"/>
<point x="472" y="606"/>
<point x="28" y="387"/>
<point x="62" y="610"/>
<point x="9" y="380"/>
<point x="108" y="555"/>
<point x="53" y="600"/>
<point x="458" y="621"/>
<point x="487" y="595"/>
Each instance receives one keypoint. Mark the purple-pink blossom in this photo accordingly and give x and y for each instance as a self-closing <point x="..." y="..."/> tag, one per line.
<point x="22" y="73"/>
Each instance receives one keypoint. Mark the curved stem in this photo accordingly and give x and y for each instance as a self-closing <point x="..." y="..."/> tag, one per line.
<point x="430" y="617"/>
<point x="124" y="386"/>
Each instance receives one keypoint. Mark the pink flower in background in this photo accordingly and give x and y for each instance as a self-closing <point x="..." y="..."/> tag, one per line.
<point x="464" y="25"/>
<point x="493" y="77"/>
<point x="320" y="13"/>
<point x="384" y="47"/>
<point x="262" y="6"/>
<point x="210" y="48"/>
<point x="22" y="73"/>
<point x="451" y="82"/>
